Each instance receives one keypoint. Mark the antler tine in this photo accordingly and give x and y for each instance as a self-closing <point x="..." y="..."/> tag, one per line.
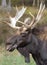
<point x="20" y="14"/>
<point x="39" y="10"/>
<point x="17" y="9"/>
<point x="32" y="20"/>
<point x="31" y="14"/>
<point x="16" y="27"/>
<point x="39" y="17"/>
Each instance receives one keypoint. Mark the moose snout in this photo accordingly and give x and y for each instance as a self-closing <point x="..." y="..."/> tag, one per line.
<point x="10" y="49"/>
<point x="10" y="46"/>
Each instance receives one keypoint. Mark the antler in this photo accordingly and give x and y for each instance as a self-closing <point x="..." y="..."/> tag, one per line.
<point x="35" y="19"/>
<point x="25" y="24"/>
<point x="39" y="15"/>
<point x="14" y="20"/>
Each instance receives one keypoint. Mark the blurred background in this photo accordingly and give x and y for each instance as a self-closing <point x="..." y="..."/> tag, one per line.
<point x="26" y="2"/>
<point x="14" y="58"/>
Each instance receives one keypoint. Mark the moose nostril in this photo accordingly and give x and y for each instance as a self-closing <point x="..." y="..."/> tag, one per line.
<point x="7" y="48"/>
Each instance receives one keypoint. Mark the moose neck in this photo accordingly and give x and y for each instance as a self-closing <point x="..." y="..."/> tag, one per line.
<point x="33" y="42"/>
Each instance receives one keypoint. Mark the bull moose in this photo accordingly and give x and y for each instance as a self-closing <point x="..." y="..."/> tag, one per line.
<point x="26" y="42"/>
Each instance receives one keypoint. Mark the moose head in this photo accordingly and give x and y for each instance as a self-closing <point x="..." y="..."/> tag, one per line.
<point x="26" y="42"/>
<point x="14" y="41"/>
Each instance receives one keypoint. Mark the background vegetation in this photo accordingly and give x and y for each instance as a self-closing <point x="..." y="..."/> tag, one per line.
<point x="26" y="2"/>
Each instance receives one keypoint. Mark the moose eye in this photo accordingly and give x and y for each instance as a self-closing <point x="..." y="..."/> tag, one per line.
<point x="8" y="43"/>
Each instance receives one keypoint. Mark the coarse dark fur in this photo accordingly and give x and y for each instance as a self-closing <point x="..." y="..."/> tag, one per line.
<point x="28" y="42"/>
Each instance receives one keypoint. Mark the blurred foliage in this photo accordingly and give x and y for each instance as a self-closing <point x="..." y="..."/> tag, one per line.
<point x="20" y="2"/>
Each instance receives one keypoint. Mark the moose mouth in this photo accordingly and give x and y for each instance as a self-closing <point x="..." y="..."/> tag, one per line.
<point x="10" y="49"/>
